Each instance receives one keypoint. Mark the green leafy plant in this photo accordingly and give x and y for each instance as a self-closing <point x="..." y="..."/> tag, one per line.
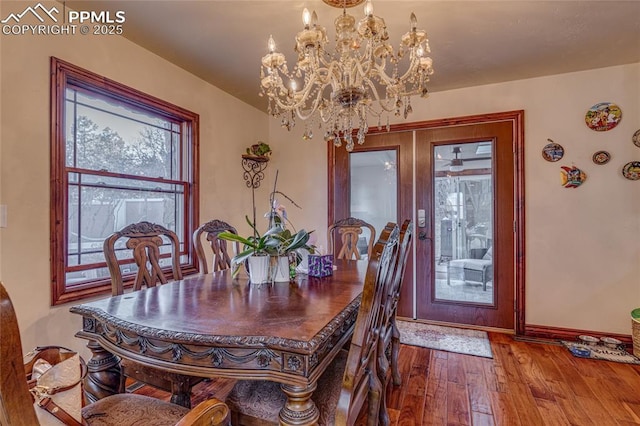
<point x="290" y="242"/>
<point x="276" y="241"/>
<point x="256" y="244"/>
<point x="259" y="149"/>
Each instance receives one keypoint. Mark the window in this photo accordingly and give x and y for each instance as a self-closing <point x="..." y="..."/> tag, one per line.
<point x="118" y="156"/>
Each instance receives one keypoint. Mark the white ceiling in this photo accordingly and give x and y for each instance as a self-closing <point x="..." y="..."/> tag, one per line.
<point x="472" y="42"/>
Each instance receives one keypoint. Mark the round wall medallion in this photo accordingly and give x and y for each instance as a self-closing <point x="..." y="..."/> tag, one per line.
<point x="552" y="151"/>
<point x="603" y="116"/>
<point x="601" y="157"/>
<point x="631" y="170"/>
<point x="636" y="138"/>
<point x="572" y="177"/>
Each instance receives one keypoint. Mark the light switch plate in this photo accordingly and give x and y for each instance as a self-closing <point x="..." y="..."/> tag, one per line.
<point x="3" y="215"/>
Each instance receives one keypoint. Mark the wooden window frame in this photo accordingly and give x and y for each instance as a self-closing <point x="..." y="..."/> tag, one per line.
<point x="61" y="74"/>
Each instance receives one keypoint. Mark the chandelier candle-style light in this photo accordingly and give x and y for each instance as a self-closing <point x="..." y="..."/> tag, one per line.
<point x="363" y="77"/>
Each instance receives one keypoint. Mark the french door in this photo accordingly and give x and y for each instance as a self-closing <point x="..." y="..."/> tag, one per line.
<point x="459" y="182"/>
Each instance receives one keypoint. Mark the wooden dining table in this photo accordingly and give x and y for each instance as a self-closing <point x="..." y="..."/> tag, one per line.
<point x="214" y="325"/>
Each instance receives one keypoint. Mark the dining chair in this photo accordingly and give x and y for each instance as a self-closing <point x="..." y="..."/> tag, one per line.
<point x="17" y="409"/>
<point x="145" y="240"/>
<point x="221" y="257"/>
<point x="351" y="379"/>
<point x="350" y="231"/>
<point x="389" y="342"/>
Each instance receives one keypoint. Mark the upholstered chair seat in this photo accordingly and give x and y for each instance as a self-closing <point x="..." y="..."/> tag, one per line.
<point x="121" y="408"/>
<point x="259" y="399"/>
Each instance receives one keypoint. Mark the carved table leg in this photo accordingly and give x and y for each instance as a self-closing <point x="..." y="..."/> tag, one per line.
<point x="181" y="393"/>
<point x="105" y="376"/>
<point x="299" y="409"/>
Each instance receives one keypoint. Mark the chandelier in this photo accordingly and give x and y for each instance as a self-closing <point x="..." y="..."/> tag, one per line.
<point x="363" y="77"/>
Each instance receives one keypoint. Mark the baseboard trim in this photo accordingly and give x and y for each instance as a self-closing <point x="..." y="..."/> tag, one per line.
<point x="558" y="333"/>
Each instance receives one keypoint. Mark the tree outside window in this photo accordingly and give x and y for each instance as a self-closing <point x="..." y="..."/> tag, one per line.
<point x="118" y="157"/>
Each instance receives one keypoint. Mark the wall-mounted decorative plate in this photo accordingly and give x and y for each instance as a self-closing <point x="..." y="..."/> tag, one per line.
<point x="572" y="177"/>
<point x="601" y="157"/>
<point x="631" y="170"/>
<point x="603" y="116"/>
<point x="636" y="138"/>
<point x="552" y="151"/>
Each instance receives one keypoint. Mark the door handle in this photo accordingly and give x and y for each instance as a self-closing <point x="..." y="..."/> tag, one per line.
<point x="423" y="236"/>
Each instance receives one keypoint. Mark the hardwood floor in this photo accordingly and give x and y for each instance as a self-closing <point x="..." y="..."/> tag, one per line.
<point x="524" y="384"/>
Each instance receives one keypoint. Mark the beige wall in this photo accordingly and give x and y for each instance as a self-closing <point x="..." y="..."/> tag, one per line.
<point x="582" y="245"/>
<point x="583" y="250"/>
<point x="227" y="126"/>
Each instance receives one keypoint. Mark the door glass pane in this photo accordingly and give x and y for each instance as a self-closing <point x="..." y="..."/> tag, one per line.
<point x="463" y="234"/>
<point x="374" y="190"/>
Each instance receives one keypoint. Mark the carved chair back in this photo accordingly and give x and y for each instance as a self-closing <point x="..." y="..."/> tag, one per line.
<point x="144" y="239"/>
<point x="360" y="378"/>
<point x="389" y="343"/>
<point x="406" y="236"/>
<point x="221" y="256"/>
<point x="16" y="408"/>
<point x="349" y="231"/>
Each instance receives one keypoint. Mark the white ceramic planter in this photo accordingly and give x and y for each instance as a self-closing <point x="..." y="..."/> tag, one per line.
<point x="259" y="269"/>
<point x="280" y="269"/>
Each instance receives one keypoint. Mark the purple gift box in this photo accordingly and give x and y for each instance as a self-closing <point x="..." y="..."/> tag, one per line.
<point x="320" y="266"/>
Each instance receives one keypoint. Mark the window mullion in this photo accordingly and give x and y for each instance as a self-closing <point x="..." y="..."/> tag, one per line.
<point x="79" y="213"/>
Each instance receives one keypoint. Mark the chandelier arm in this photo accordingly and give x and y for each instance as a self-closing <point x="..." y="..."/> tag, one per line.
<point x="304" y="93"/>
<point x="375" y="113"/>
<point x="380" y="101"/>
<point x="389" y="81"/>
<point x="300" y="112"/>
<point x="322" y="60"/>
<point x="302" y="116"/>
<point x="380" y="71"/>
<point x="413" y="67"/>
<point x="361" y="73"/>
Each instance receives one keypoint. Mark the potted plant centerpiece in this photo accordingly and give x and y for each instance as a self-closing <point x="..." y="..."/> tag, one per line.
<point x="257" y="252"/>
<point x="268" y="255"/>
<point x="288" y="245"/>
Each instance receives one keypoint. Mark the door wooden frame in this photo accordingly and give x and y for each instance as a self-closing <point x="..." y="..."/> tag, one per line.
<point x="516" y="118"/>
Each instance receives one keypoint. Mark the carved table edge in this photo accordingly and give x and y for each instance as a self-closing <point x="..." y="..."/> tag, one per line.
<point x="92" y="314"/>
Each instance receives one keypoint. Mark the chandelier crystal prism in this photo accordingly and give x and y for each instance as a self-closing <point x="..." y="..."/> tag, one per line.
<point x="364" y="77"/>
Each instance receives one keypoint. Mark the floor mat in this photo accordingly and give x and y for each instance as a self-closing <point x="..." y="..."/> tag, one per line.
<point x="459" y="340"/>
